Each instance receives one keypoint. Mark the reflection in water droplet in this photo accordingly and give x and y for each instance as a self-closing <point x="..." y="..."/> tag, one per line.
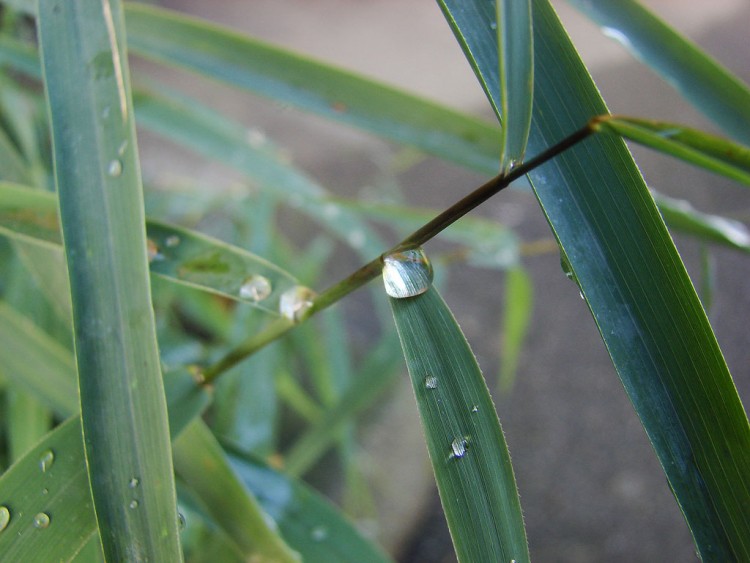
<point x="46" y="460"/>
<point x="319" y="533"/>
<point x="407" y="273"/>
<point x="295" y="302"/>
<point x="133" y="483"/>
<point x="255" y="288"/>
<point x="115" y="168"/>
<point x="181" y="521"/>
<point x="431" y="382"/>
<point x="4" y="517"/>
<point x="459" y="447"/>
<point x="153" y="251"/>
<point x="41" y="520"/>
<point x="172" y="241"/>
<point x="133" y="504"/>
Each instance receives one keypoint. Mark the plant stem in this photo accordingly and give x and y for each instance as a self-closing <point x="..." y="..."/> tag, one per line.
<point x="372" y="269"/>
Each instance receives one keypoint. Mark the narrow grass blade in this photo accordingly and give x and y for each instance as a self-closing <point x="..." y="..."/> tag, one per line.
<point x="46" y="266"/>
<point x="696" y="147"/>
<point x="292" y="79"/>
<point x="12" y="166"/>
<point x="700" y="79"/>
<point x="27" y="422"/>
<point x="37" y="363"/>
<point x="519" y="304"/>
<point x="123" y="408"/>
<point x="638" y="291"/>
<point x="202" y="464"/>
<point x="515" y="41"/>
<point x="309" y="523"/>
<point x="46" y="502"/>
<point x="466" y="445"/>
<point x="682" y="217"/>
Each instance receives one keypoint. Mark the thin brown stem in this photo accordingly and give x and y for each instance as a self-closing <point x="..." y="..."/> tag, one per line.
<point x="372" y="269"/>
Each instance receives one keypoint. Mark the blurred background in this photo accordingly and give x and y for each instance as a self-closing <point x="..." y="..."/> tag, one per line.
<point x="590" y="485"/>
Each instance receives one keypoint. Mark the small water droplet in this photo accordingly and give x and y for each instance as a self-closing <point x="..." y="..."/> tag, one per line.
<point x="46" y="460"/>
<point x="566" y="266"/>
<point x="431" y="382"/>
<point x="123" y="147"/>
<point x="580" y="294"/>
<point x="493" y="25"/>
<point x="133" y="483"/>
<point x="115" y="168"/>
<point x="152" y="250"/>
<point x="295" y="302"/>
<point x="181" y="521"/>
<point x="459" y="447"/>
<point x="172" y="241"/>
<point x="357" y="239"/>
<point x="45" y="491"/>
<point x="133" y="504"/>
<point x="407" y="273"/>
<point x="319" y="533"/>
<point x="475" y="408"/>
<point x="256" y="288"/>
<point x="41" y="520"/>
<point x="4" y="517"/>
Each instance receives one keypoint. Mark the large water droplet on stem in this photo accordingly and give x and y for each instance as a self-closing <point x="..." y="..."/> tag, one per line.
<point x="4" y="517"/>
<point x="41" y="520"/>
<point x="46" y="460"/>
<point x="256" y="288"/>
<point x="295" y="302"/>
<point x="407" y="273"/>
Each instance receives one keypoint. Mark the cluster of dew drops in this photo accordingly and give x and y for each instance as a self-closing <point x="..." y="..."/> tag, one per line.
<point x="41" y="520"/>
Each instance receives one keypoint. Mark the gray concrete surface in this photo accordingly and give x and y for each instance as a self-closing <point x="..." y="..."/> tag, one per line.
<point x="590" y="485"/>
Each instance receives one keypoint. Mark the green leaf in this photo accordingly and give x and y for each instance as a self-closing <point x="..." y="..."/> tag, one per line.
<point x="699" y="148"/>
<point x="37" y="363"/>
<point x="700" y="79"/>
<point x="466" y="445"/>
<point x="519" y="304"/>
<point x="293" y="79"/>
<point x="516" y="47"/>
<point x="682" y="217"/>
<point x="123" y="409"/>
<point x="307" y="521"/>
<point x="638" y="291"/>
<point x="27" y="419"/>
<point x="202" y="464"/>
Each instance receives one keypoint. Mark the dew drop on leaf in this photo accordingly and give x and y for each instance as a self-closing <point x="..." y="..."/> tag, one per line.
<point x="46" y="460"/>
<point x="459" y="447"/>
<point x="172" y="241"/>
<point x="295" y="302"/>
<point x="41" y="520"/>
<point x="181" y="521"/>
<point x="407" y="273"/>
<point x="431" y="382"/>
<point x="4" y="517"/>
<point x="133" y="504"/>
<point x="319" y="533"/>
<point x="475" y="408"/>
<point x="115" y="168"/>
<point x="255" y="288"/>
<point x="133" y="483"/>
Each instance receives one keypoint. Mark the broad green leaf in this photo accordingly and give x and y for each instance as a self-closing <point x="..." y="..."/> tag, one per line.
<point x="293" y="79"/>
<point x="202" y="464"/>
<point x="516" y="48"/>
<point x="37" y="363"/>
<point x="518" y="305"/>
<point x="466" y="445"/>
<point x="179" y="255"/>
<point x="682" y="217"/>
<point x="700" y="79"/>
<point x="123" y="408"/>
<point x="309" y="523"/>
<point x="47" y="492"/>
<point x="638" y="291"/>
<point x="693" y="146"/>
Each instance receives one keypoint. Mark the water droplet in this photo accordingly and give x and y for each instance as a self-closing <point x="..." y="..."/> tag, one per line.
<point x="172" y="241"/>
<point x="123" y="147"/>
<point x="319" y="533"/>
<point x="493" y="25"/>
<point x="331" y="211"/>
<point x="475" y="408"/>
<point x="152" y="250"/>
<point x="133" y="483"/>
<point x="46" y="460"/>
<point x="580" y="294"/>
<point x="459" y="447"/>
<point x="566" y="266"/>
<point x="407" y="273"/>
<point x="256" y="288"/>
<point x="181" y="521"/>
<point x="115" y="168"/>
<point x="45" y="491"/>
<point x="431" y="382"/>
<point x="357" y="239"/>
<point x="4" y="517"/>
<point x="295" y="302"/>
<point x="133" y="504"/>
<point x="256" y="138"/>
<point x="41" y="520"/>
